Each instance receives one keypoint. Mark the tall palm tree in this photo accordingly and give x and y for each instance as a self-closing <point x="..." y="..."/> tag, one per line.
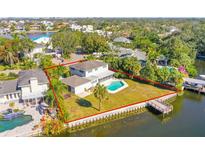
<point x="8" y="53"/>
<point x="100" y="92"/>
<point x="27" y="45"/>
<point x="59" y="89"/>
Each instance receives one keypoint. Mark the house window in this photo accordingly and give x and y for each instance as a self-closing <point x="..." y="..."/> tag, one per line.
<point x="81" y="71"/>
<point x="11" y="96"/>
<point x="14" y="95"/>
<point x="7" y="97"/>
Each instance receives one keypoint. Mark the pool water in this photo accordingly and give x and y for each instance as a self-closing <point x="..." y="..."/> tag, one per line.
<point x="11" y="124"/>
<point x="115" y="85"/>
<point x="36" y="36"/>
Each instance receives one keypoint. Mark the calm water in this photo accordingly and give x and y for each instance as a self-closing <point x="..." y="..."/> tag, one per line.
<point x="11" y="124"/>
<point x="35" y="36"/>
<point x="187" y="119"/>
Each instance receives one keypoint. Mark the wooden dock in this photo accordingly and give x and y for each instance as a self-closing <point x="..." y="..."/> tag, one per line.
<point x="161" y="106"/>
<point x="194" y="84"/>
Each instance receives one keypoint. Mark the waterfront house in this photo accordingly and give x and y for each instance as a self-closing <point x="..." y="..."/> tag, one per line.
<point x="86" y="75"/>
<point x="35" y="27"/>
<point x="29" y="87"/>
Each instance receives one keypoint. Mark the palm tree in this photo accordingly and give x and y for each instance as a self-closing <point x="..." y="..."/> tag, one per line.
<point x="8" y="53"/>
<point x="59" y="89"/>
<point x="100" y="93"/>
<point x="136" y="69"/>
<point x="50" y="98"/>
<point x="27" y="44"/>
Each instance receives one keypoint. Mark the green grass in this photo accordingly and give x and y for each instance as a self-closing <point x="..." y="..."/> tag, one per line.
<point x="135" y="92"/>
<point x="10" y="76"/>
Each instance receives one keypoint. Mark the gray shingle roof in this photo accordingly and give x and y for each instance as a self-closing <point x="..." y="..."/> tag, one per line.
<point x="8" y="86"/>
<point x="88" y="65"/>
<point x="122" y="39"/>
<point x="140" y="55"/>
<point x="75" y="81"/>
<point x="25" y="76"/>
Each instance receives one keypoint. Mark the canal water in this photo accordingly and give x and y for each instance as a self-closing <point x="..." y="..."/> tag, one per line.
<point x="187" y="119"/>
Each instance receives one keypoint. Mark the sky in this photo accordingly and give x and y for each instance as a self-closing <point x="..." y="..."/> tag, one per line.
<point x="102" y="8"/>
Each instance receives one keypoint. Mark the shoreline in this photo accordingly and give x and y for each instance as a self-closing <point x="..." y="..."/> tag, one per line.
<point x="90" y="120"/>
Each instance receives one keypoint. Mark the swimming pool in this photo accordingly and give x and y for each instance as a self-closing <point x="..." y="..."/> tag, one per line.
<point x="11" y="124"/>
<point x="115" y="85"/>
<point x="37" y="36"/>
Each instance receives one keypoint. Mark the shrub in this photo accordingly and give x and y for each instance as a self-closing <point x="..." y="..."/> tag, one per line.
<point x="13" y="75"/>
<point x="120" y="75"/>
<point x="16" y="110"/>
<point x="12" y="104"/>
<point x="53" y="127"/>
<point x="2" y="68"/>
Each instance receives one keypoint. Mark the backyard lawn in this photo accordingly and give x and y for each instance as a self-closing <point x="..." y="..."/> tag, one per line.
<point x="135" y="92"/>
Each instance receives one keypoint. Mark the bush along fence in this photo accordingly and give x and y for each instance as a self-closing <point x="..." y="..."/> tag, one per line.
<point x="110" y="114"/>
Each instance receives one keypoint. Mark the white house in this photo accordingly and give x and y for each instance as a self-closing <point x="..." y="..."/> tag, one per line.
<point x="29" y="87"/>
<point x="86" y="75"/>
<point x="87" y="28"/>
<point x="39" y="48"/>
<point x="76" y="27"/>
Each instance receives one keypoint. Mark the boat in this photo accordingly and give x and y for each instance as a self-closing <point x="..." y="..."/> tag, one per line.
<point x="202" y="76"/>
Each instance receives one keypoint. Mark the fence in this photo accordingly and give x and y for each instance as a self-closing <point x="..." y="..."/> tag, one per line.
<point x="110" y="112"/>
<point x="107" y="114"/>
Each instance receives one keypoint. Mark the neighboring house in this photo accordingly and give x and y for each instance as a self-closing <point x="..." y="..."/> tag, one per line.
<point x="4" y="31"/>
<point x="162" y="60"/>
<point x="87" y="28"/>
<point x="20" y="27"/>
<point x="140" y="55"/>
<point x="76" y="27"/>
<point x="35" y="27"/>
<point x="29" y="87"/>
<point x="39" y="48"/>
<point x="48" y="24"/>
<point x="122" y="40"/>
<point x="103" y="33"/>
<point x="53" y="53"/>
<point x="86" y="75"/>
